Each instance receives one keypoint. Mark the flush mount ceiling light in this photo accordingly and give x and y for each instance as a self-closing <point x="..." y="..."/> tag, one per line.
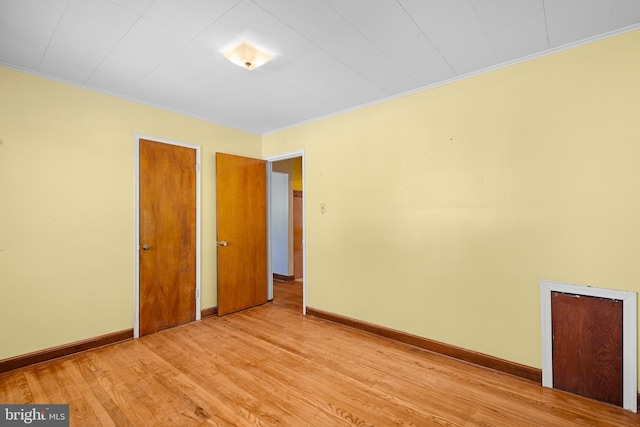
<point x="247" y="56"/>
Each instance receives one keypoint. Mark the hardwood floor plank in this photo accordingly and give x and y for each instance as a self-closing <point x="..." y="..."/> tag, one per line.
<point x="82" y="411"/>
<point x="251" y="399"/>
<point x="338" y="378"/>
<point x="365" y="370"/>
<point x="270" y="366"/>
<point x="193" y="397"/>
<point x="38" y="394"/>
<point x="44" y="375"/>
<point x="106" y="410"/>
<point x="16" y="384"/>
<point x="329" y="381"/>
<point x="270" y="392"/>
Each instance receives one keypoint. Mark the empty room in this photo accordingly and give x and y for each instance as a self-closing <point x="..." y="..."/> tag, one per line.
<point x="319" y="212"/>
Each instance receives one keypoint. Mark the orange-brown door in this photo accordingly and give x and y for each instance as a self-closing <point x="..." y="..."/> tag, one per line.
<point x="167" y="281"/>
<point x="241" y="203"/>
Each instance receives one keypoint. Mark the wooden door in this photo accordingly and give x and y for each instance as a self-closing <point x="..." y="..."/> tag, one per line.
<point x="167" y="253"/>
<point x="587" y="346"/>
<point x="297" y="234"/>
<point x="241" y="203"/>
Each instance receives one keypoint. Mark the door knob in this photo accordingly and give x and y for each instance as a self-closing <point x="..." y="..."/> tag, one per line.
<point x="146" y="247"/>
<point x="222" y="243"/>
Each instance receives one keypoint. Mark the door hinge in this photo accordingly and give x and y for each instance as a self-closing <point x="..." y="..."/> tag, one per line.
<point x="197" y="167"/>
<point x="197" y="293"/>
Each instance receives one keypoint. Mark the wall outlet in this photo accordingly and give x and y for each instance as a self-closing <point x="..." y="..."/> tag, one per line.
<point x="323" y="208"/>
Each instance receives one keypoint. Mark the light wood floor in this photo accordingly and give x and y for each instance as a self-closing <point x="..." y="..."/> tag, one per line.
<point x="272" y="366"/>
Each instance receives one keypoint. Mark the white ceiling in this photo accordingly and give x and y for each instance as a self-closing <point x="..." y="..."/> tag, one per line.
<point x="330" y="55"/>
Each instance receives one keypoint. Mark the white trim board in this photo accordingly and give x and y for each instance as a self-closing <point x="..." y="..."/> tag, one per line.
<point x="136" y="285"/>
<point x="629" y="337"/>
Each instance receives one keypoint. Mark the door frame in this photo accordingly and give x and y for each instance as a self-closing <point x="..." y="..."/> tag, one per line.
<point x="629" y="337"/>
<point x="270" y="160"/>
<point x="136" y="248"/>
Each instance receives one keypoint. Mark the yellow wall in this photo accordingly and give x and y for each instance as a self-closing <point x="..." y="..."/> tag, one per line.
<point x="445" y="209"/>
<point x="67" y="208"/>
<point x="297" y="173"/>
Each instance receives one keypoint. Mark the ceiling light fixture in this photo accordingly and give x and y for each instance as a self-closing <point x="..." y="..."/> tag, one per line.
<point x="247" y="55"/>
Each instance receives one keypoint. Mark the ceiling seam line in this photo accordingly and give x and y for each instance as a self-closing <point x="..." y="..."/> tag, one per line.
<point x="546" y="24"/>
<point x="484" y="30"/>
<point x="53" y="35"/>
<point x="427" y="38"/>
<point x="613" y="9"/>
<point x="140" y="16"/>
<point x="375" y="45"/>
<point x="219" y="17"/>
<point x="111" y="51"/>
<point x="215" y="20"/>
<point x="320" y="47"/>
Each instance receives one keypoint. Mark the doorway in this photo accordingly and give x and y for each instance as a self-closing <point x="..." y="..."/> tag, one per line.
<point x="286" y="210"/>
<point x="167" y="234"/>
